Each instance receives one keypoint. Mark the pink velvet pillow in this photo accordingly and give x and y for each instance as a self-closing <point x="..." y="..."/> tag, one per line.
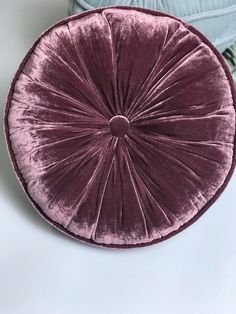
<point x="120" y="124"/>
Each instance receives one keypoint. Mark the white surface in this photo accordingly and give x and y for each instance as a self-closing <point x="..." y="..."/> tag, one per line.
<point x="43" y="271"/>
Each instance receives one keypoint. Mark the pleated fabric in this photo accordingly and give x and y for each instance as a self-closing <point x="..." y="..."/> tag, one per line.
<point x="117" y="127"/>
<point x="216" y="19"/>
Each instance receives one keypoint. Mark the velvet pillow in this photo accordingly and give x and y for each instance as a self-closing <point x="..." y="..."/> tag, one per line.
<point x="216" y="19"/>
<point x="117" y="127"/>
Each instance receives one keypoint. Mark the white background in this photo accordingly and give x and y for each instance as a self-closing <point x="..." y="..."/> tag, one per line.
<point x="43" y="271"/>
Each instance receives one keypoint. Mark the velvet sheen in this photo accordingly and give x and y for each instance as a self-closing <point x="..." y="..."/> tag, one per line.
<point x="113" y="149"/>
<point x="216" y="19"/>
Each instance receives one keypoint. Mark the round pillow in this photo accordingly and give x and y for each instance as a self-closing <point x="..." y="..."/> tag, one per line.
<point x="120" y="124"/>
<point x="216" y="19"/>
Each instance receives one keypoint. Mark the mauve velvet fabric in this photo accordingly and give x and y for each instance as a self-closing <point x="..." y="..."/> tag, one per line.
<point x="120" y="123"/>
<point x="216" y="19"/>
